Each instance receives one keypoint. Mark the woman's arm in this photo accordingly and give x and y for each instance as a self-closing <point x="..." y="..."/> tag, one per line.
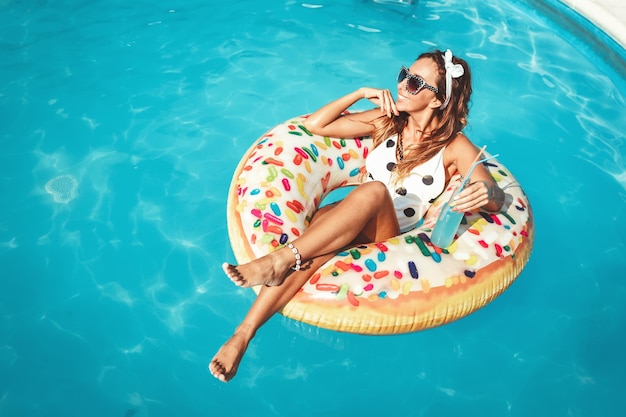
<point x="330" y="120"/>
<point x="482" y="191"/>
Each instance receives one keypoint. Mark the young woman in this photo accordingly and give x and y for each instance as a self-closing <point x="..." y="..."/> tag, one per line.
<point x="418" y="146"/>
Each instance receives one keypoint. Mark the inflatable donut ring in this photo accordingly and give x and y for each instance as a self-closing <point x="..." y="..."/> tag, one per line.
<point x="401" y="285"/>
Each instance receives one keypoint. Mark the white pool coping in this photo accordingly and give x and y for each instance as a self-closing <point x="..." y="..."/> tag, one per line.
<point x="608" y="15"/>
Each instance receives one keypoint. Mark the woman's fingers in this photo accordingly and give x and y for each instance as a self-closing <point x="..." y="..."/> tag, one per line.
<point x="475" y="195"/>
<point x="388" y="105"/>
<point x="383" y="99"/>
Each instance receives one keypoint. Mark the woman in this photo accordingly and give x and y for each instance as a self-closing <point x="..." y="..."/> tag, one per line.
<point x="418" y="146"/>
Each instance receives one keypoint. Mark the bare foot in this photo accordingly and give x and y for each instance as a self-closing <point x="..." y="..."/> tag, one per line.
<point x="224" y="364"/>
<point x="270" y="270"/>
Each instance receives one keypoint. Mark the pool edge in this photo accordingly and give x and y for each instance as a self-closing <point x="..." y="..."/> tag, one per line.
<point x="600" y="14"/>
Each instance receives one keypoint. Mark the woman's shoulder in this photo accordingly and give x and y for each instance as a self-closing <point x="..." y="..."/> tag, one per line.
<point x="460" y="145"/>
<point x="460" y="141"/>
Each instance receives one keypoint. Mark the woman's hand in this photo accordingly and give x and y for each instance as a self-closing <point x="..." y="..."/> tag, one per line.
<point x="382" y="98"/>
<point x="479" y="194"/>
<point x="483" y="192"/>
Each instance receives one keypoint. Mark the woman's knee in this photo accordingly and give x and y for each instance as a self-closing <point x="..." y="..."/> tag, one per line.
<point x="374" y="189"/>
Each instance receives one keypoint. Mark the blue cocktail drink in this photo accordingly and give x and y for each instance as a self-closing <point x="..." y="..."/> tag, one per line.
<point x="446" y="226"/>
<point x="449" y="220"/>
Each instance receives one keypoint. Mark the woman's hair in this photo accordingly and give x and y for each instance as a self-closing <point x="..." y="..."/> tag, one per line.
<point x="452" y="119"/>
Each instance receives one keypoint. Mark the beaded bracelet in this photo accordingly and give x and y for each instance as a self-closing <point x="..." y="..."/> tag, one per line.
<point x="298" y="264"/>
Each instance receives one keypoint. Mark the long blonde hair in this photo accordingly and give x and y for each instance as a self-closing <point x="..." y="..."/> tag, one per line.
<point x="453" y="118"/>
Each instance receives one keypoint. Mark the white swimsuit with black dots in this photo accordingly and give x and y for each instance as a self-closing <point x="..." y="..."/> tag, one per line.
<point x="414" y="194"/>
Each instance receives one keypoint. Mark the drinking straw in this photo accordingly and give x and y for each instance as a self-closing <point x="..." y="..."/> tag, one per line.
<point x="474" y="163"/>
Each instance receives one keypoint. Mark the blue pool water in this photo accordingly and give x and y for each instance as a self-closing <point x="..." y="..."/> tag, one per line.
<point x="121" y="124"/>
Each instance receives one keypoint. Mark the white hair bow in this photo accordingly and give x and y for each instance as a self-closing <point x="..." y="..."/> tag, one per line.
<point x="452" y="71"/>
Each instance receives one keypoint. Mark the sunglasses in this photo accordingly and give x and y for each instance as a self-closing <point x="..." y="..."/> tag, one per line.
<point x="414" y="84"/>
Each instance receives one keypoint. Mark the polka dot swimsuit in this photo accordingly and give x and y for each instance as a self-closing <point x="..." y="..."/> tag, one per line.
<point x="414" y="194"/>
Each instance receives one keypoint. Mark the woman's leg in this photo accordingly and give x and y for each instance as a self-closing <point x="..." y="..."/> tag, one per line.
<point x="271" y="299"/>
<point x="364" y="213"/>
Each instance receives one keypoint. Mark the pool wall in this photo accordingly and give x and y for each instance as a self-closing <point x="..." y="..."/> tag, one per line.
<point x="580" y="24"/>
<point x="609" y="15"/>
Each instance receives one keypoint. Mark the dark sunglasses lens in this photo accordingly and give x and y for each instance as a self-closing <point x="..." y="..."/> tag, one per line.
<point x="414" y="84"/>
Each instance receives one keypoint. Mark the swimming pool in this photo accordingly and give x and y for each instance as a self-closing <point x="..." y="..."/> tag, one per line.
<point x="121" y="126"/>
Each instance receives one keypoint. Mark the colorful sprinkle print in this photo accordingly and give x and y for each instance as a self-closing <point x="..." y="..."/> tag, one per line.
<point x="289" y="171"/>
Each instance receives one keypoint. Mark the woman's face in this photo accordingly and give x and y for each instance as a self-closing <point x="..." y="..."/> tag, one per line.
<point x="425" y="69"/>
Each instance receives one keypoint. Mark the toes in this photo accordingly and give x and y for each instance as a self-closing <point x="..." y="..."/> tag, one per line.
<point x="233" y="274"/>
<point x="218" y="370"/>
<point x="214" y="368"/>
<point x="229" y="270"/>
